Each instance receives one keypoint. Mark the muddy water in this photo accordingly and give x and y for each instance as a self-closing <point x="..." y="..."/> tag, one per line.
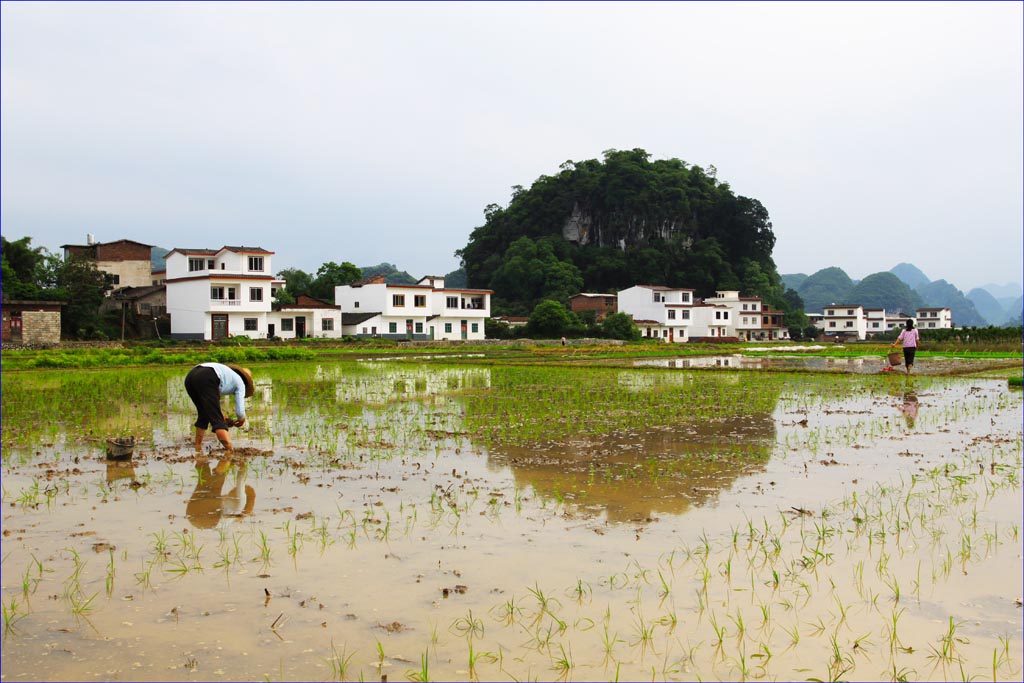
<point x="365" y="526"/>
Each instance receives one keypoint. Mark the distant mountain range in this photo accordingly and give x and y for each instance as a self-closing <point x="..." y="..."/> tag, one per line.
<point x="903" y="289"/>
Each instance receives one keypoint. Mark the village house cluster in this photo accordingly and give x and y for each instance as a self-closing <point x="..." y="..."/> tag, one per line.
<point x="212" y="294"/>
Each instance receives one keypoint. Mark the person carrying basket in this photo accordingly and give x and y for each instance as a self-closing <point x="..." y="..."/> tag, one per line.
<point x="910" y="338"/>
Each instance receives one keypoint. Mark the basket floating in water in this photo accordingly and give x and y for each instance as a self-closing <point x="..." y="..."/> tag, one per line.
<point x="120" y="448"/>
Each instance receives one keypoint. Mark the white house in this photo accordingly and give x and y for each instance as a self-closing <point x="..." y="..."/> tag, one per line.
<point x="216" y="293"/>
<point x="934" y="318"/>
<point x="659" y="312"/>
<point x="307" y="317"/>
<point x="846" y="320"/>
<point x="750" y="318"/>
<point x="426" y="310"/>
<point x="712" y="321"/>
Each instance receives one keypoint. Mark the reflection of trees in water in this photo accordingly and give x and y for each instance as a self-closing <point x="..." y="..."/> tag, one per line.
<point x="632" y="443"/>
<point x="85" y="405"/>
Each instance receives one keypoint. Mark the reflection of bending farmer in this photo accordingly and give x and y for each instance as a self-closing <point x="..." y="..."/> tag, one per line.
<point x="205" y="384"/>
<point x="207" y="504"/>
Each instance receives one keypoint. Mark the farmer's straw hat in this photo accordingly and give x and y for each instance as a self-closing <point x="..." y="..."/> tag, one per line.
<point x="246" y="377"/>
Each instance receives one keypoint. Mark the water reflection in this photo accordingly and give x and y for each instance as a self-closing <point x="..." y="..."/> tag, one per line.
<point x="208" y="505"/>
<point x="120" y="469"/>
<point x="636" y="476"/>
<point x="909" y="407"/>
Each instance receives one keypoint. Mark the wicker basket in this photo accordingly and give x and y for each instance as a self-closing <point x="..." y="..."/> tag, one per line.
<point x="895" y="358"/>
<point x="120" y="448"/>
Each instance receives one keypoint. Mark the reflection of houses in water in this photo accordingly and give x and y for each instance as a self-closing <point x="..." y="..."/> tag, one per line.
<point x="733" y="361"/>
<point x="390" y="382"/>
<point x="638" y="475"/>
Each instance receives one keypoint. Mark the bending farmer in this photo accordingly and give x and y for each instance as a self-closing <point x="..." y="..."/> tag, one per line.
<point x="205" y="384"/>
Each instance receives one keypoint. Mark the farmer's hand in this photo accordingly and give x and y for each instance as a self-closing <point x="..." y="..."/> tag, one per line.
<point x="239" y="421"/>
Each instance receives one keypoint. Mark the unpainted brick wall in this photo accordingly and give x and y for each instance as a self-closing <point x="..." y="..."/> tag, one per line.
<point x="40" y="327"/>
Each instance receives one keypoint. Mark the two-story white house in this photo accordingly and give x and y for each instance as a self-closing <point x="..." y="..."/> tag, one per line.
<point x="216" y="293"/>
<point x="846" y="320"/>
<point x="659" y="312"/>
<point x="750" y="319"/>
<point x="426" y="310"/>
<point x="934" y="318"/>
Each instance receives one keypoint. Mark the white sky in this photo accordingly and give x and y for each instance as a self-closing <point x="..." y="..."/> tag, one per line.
<point x="874" y="133"/>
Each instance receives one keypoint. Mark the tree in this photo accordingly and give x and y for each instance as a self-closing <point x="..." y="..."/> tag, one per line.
<point x="549" y="319"/>
<point x="331" y="275"/>
<point x="620" y="326"/>
<point x="296" y="281"/>
<point x="83" y="286"/>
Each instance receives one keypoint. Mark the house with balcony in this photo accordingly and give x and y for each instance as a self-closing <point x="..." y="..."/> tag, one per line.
<point x="712" y="322"/>
<point x="216" y="293"/>
<point x="846" y="320"/>
<point x="425" y="310"/>
<point x="128" y="262"/>
<point x="934" y="319"/>
<point x="659" y="312"/>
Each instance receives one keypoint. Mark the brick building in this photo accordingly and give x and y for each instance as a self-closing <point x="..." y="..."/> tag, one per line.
<point x="31" y="322"/>
<point x="128" y="261"/>
<point x="603" y="305"/>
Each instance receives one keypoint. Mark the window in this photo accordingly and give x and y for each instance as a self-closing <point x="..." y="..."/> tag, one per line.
<point x="744" y="308"/>
<point x="251" y="324"/>
<point x="397" y="300"/>
<point x="327" y="324"/>
<point x="849" y="311"/>
<point x="753" y="307"/>
<point x="874" y="325"/>
<point x="849" y="323"/>
<point x="657" y="297"/>
<point x="475" y="327"/>
<point x="831" y="323"/>
<point x="356" y="304"/>
<point x="685" y="315"/>
<point x="255" y="294"/>
<point x="393" y="328"/>
<point x="931" y="324"/>
<point x="217" y="293"/>
<point x="447" y="328"/>
<point x="256" y="263"/>
<point x="115" y="279"/>
<point x="419" y="328"/>
<point x="686" y="297"/>
<point x="718" y="315"/>
<point x="477" y="302"/>
<point x="671" y="314"/>
<point x="452" y="302"/>
<point x="286" y="324"/>
<point x="195" y="264"/>
<point x="419" y="301"/>
<point x="830" y="311"/>
<point x="211" y="264"/>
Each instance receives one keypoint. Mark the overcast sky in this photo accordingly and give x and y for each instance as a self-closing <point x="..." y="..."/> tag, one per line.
<point x="874" y="133"/>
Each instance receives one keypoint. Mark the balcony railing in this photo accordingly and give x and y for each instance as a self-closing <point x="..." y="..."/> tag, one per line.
<point x="225" y="302"/>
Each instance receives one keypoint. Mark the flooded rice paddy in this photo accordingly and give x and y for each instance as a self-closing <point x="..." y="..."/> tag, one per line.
<point x="429" y="520"/>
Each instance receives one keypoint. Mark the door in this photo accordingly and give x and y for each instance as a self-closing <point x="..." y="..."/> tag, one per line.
<point x="220" y="326"/>
<point x="465" y="329"/>
<point x="408" y="329"/>
<point x="270" y="331"/>
<point x="300" y="327"/>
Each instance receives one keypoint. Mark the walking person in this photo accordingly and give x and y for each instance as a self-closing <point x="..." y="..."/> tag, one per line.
<point x="910" y="338"/>
<point x="205" y="384"/>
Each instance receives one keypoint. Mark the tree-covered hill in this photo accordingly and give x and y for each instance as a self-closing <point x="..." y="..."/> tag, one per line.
<point x="885" y="290"/>
<point x="941" y="294"/>
<point x="604" y="225"/>
<point x="827" y="286"/>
